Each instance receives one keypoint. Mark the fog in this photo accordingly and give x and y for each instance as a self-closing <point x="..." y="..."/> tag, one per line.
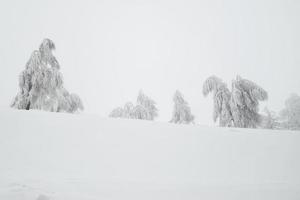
<point x="109" y="50"/>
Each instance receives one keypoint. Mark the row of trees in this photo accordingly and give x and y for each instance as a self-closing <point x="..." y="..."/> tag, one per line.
<point x="41" y="87"/>
<point x="238" y="107"/>
<point x="146" y="109"/>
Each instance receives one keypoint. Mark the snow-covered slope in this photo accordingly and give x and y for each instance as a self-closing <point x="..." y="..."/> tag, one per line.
<point x="80" y="157"/>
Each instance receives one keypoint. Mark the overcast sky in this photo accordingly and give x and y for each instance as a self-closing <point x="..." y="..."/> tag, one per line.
<point x="109" y="50"/>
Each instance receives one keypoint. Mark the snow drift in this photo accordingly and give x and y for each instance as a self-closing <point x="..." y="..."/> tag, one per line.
<point x="85" y="157"/>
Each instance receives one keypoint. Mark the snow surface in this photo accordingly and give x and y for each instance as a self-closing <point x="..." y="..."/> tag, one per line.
<point x="55" y="156"/>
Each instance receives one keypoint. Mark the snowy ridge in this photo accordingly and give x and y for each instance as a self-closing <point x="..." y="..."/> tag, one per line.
<point x="84" y="157"/>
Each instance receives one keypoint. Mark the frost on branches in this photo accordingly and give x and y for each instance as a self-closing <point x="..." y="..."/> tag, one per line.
<point x="144" y="109"/>
<point x="238" y="107"/>
<point x="41" y="84"/>
<point x="182" y="112"/>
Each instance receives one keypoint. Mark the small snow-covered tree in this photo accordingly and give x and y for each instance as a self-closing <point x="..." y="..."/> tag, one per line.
<point x="269" y="119"/>
<point x="221" y="97"/>
<point x="144" y="109"/>
<point x="41" y="84"/>
<point x="245" y="97"/>
<point x="128" y="111"/>
<point x="181" y="112"/>
<point x="117" y="112"/>
<point x="148" y="105"/>
<point x="291" y="113"/>
<point x="69" y="102"/>
<point x="140" y="112"/>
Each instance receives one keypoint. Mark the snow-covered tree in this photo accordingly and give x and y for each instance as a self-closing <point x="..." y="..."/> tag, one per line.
<point x="149" y="106"/>
<point x="238" y="107"/>
<point x="41" y="84"/>
<point x="245" y="97"/>
<point x="269" y="119"/>
<point x="291" y="113"/>
<point x="69" y="102"/>
<point x="128" y="111"/>
<point x="144" y="109"/>
<point x="140" y="112"/>
<point x="181" y="112"/>
<point x="221" y="98"/>
<point x="117" y="113"/>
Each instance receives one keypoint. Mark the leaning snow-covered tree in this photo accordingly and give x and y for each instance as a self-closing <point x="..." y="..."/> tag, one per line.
<point x="238" y="107"/>
<point x="147" y="106"/>
<point x="291" y="113"/>
<point x="221" y="98"/>
<point x="182" y="111"/>
<point x="244" y="102"/>
<point x="41" y="84"/>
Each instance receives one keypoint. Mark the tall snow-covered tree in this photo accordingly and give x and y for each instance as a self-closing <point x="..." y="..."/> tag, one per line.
<point x="291" y="113"/>
<point x="41" y="84"/>
<point x="245" y="97"/>
<point x="181" y="112"/>
<point x="221" y="98"/>
<point x="149" y="106"/>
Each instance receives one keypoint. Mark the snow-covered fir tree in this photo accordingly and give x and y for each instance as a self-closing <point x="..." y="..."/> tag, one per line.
<point x="181" y="112"/>
<point x="221" y="98"/>
<point x="244" y="102"/>
<point x="291" y="113"/>
<point x="41" y="84"/>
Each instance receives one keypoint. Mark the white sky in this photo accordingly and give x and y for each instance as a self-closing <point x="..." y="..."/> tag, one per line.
<point x="108" y="50"/>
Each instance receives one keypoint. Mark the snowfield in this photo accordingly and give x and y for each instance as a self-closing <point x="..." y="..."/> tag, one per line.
<point x="59" y="156"/>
